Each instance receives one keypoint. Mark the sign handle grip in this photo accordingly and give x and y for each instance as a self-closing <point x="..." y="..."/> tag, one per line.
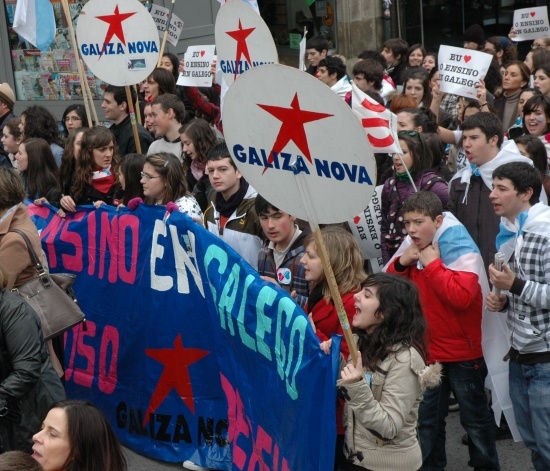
<point x="132" y="118"/>
<point x="327" y="267"/>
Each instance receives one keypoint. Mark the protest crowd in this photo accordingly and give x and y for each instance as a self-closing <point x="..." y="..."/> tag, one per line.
<point x="471" y="181"/>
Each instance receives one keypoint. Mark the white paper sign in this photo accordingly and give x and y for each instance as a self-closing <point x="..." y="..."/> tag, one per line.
<point x="365" y="227"/>
<point x="302" y="60"/>
<point x="198" y="62"/>
<point x="299" y="144"/>
<point x="243" y="40"/>
<point x="119" y="41"/>
<point x="160" y="15"/>
<point x="531" y="23"/>
<point x="460" y="69"/>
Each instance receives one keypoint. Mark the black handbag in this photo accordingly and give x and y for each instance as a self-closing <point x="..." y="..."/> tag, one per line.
<point x="51" y="296"/>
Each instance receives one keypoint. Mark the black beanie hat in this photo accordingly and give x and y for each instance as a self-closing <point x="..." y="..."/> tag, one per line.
<point x="475" y="34"/>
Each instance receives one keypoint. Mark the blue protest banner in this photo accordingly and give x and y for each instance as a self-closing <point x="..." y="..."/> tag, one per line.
<point x="187" y="351"/>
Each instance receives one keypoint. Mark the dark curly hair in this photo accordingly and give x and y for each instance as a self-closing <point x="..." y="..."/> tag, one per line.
<point x="93" y="138"/>
<point x="403" y="325"/>
<point x="203" y="138"/>
<point x="39" y="122"/>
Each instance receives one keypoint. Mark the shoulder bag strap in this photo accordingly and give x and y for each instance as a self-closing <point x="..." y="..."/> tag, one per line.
<point x="34" y="258"/>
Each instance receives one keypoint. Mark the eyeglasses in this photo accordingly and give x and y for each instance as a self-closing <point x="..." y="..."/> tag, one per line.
<point x="72" y="119"/>
<point x="147" y="176"/>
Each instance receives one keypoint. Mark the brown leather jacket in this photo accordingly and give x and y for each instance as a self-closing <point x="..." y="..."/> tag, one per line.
<point x="14" y="255"/>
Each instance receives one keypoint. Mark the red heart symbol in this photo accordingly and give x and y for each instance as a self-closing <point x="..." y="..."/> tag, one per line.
<point x="202" y="53"/>
<point x="467" y="59"/>
<point x="533" y="13"/>
<point x="356" y="219"/>
<point x="280" y="276"/>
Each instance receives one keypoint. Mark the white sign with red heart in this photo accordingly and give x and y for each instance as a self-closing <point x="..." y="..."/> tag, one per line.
<point x="198" y="62"/>
<point x="461" y="69"/>
<point x="531" y="23"/>
<point x="365" y="227"/>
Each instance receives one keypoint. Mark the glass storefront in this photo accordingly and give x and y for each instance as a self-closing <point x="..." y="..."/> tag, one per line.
<point x="51" y="75"/>
<point x="436" y="22"/>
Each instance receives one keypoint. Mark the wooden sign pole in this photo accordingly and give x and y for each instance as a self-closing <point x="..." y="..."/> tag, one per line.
<point x="83" y="80"/>
<point x="130" y="104"/>
<point x="327" y="267"/>
<point x="163" y="45"/>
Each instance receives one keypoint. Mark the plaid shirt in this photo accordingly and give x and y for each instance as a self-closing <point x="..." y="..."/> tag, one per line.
<point x="291" y="262"/>
<point x="529" y="312"/>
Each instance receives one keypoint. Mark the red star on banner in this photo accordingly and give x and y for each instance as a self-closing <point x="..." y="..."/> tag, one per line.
<point x="115" y="25"/>
<point x="176" y="363"/>
<point x="292" y="129"/>
<point x="240" y="36"/>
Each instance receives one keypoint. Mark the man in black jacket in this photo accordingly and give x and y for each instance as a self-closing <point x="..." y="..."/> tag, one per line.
<point x="116" y="109"/>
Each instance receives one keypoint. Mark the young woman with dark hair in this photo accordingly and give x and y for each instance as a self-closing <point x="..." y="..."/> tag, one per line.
<point x="542" y="79"/>
<point x="11" y="139"/>
<point x="160" y="81"/>
<point x="347" y="264"/>
<point x="415" y="56"/>
<point x="37" y="121"/>
<point x="95" y="179"/>
<point x="129" y="176"/>
<point x="430" y="61"/>
<point x="416" y="83"/>
<point x="170" y="62"/>
<point x="532" y="147"/>
<point x="163" y="182"/>
<point x="383" y="390"/>
<point x="76" y="436"/>
<point x="39" y="172"/>
<point x="74" y="117"/>
<point x="536" y="119"/>
<point x="69" y="159"/>
<point x="412" y="172"/>
<point x="197" y="138"/>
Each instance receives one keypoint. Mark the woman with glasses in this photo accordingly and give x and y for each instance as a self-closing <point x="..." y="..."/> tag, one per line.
<point x="95" y="179"/>
<point x="412" y="173"/>
<point x="73" y="117"/>
<point x="164" y="181"/>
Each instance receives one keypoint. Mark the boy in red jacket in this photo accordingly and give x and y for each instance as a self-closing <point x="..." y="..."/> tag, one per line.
<point x="440" y="257"/>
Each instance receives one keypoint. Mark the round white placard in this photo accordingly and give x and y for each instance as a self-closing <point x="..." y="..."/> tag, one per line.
<point x="319" y="144"/>
<point x="118" y="41"/>
<point x="243" y="40"/>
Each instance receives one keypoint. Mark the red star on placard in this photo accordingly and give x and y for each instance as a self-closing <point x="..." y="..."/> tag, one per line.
<point x="240" y="36"/>
<point x="176" y="363"/>
<point x="292" y="129"/>
<point x="115" y="25"/>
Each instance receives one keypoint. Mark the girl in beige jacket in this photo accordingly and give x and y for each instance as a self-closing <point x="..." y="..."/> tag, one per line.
<point x="384" y="388"/>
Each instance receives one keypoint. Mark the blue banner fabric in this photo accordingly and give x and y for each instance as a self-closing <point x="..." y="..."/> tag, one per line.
<point x="187" y="351"/>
